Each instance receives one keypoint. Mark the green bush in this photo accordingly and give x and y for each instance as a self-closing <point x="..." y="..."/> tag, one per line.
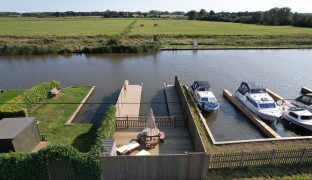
<point x="18" y="106"/>
<point x="84" y="165"/>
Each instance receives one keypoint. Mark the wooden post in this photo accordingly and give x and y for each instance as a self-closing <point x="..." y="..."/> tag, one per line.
<point x="127" y="121"/>
<point x="241" y="164"/>
<point x="174" y="120"/>
<point x="303" y="156"/>
<point x="273" y="156"/>
<point x="205" y="166"/>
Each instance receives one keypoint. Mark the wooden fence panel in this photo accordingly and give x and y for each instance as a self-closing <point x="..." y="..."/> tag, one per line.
<point x="184" y="166"/>
<point x="60" y="170"/>
<point x="161" y="122"/>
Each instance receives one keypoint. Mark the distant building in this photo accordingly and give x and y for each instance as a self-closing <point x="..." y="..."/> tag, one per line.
<point x="18" y="134"/>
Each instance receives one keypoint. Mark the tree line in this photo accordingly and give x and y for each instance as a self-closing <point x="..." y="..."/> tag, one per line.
<point x="105" y="14"/>
<point x="274" y="16"/>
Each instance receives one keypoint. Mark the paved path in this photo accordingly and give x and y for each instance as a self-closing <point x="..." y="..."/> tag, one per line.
<point x="173" y="102"/>
<point x="129" y="100"/>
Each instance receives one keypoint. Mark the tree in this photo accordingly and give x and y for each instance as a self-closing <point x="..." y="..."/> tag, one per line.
<point x="202" y="13"/>
<point x="192" y="15"/>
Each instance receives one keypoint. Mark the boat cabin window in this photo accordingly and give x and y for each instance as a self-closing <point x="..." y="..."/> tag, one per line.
<point x="195" y="85"/>
<point x="305" y="100"/>
<point x="243" y="89"/>
<point x="267" y="105"/>
<point x="293" y="115"/>
<point x="258" y="91"/>
<point x="205" y="99"/>
<point x="203" y="89"/>
<point x="252" y="101"/>
<point x="306" y="117"/>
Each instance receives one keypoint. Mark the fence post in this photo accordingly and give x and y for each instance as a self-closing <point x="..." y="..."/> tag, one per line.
<point x="273" y="156"/>
<point x="303" y="156"/>
<point x="241" y="164"/>
<point x="205" y="166"/>
<point x="174" y="120"/>
<point x="127" y="121"/>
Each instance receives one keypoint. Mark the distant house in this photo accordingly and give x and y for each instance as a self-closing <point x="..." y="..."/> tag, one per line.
<point x="18" y="134"/>
<point x="135" y="15"/>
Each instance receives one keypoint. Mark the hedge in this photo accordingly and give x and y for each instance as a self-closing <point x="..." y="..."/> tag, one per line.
<point x="84" y="165"/>
<point x="18" y="106"/>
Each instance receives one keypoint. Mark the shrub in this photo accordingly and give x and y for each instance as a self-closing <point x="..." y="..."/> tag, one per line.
<point x="18" y="106"/>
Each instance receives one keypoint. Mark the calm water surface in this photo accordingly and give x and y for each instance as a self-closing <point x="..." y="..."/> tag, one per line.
<point x="283" y="71"/>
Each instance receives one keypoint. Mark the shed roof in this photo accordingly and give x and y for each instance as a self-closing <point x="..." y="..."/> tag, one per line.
<point x="11" y="127"/>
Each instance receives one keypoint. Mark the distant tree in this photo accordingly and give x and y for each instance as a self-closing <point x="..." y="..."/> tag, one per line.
<point x="192" y="15"/>
<point x="212" y="13"/>
<point x="202" y="13"/>
<point x="256" y="17"/>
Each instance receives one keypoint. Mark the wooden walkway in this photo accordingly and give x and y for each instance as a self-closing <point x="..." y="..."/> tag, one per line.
<point x="128" y="103"/>
<point x="177" y="140"/>
<point x="173" y="102"/>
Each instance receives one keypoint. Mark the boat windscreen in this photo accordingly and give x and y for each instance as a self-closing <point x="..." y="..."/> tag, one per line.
<point x="258" y="91"/>
<point x="267" y="105"/>
<point x="306" y="117"/>
<point x="204" y="99"/>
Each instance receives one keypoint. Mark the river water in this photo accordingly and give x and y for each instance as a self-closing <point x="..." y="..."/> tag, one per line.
<point x="283" y="71"/>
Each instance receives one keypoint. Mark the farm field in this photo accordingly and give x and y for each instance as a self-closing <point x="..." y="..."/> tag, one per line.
<point x="93" y="26"/>
<point x="80" y="26"/>
<point x="188" y="27"/>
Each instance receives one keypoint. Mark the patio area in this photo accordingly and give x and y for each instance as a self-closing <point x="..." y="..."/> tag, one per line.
<point x="177" y="140"/>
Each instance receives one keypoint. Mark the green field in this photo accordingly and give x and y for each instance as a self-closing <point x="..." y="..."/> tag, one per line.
<point x="52" y="118"/>
<point x="86" y="26"/>
<point x="187" y="27"/>
<point x="9" y="94"/>
<point x="92" y="26"/>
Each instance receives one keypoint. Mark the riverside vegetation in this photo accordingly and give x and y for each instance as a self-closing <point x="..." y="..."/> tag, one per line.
<point x="39" y="36"/>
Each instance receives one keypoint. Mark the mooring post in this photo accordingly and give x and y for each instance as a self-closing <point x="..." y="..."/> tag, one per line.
<point x="127" y="121"/>
<point x="241" y="164"/>
<point x="273" y="156"/>
<point x="303" y="156"/>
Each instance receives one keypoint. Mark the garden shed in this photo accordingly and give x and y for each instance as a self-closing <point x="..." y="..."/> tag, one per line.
<point x="18" y="134"/>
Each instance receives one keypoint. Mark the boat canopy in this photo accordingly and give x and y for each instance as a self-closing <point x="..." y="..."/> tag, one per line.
<point x="204" y="84"/>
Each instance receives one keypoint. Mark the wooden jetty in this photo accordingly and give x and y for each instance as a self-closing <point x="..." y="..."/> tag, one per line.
<point x="128" y="103"/>
<point x="173" y="102"/>
<point x="258" y="122"/>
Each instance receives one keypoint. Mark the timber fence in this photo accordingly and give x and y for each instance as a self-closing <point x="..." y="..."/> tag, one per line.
<point x="161" y="121"/>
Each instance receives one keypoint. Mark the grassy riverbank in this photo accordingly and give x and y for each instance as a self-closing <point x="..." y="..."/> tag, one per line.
<point x="26" y="36"/>
<point x="52" y="118"/>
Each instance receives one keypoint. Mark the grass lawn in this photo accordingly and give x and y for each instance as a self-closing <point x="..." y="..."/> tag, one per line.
<point x="188" y="27"/>
<point x="52" y="119"/>
<point x="80" y="26"/>
<point x="263" y="172"/>
<point x="9" y="94"/>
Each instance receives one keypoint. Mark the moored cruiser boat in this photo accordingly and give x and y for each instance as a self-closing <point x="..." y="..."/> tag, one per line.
<point x="304" y="101"/>
<point x="203" y="96"/>
<point x="256" y="98"/>
<point x="299" y="116"/>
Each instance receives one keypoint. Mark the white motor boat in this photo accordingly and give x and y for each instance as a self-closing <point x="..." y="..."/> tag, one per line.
<point x="203" y="96"/>
<point x="256" y="98"/>
<point x="298" y="115"/>
<point x="304" y="101"/>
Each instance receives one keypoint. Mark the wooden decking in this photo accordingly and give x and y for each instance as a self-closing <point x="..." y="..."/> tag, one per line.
<point x="128" y="103"/>
<point x="173" y="102"/>
<point x="177" y="140"/>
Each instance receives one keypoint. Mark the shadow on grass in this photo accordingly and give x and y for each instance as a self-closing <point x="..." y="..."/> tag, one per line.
<point x="263" y="172"/>
<point x="84" y="141"/>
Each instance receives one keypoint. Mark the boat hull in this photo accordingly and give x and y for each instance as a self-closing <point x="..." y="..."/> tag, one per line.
<point x="200" y="106"/>
<point x="306" y="126"/>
